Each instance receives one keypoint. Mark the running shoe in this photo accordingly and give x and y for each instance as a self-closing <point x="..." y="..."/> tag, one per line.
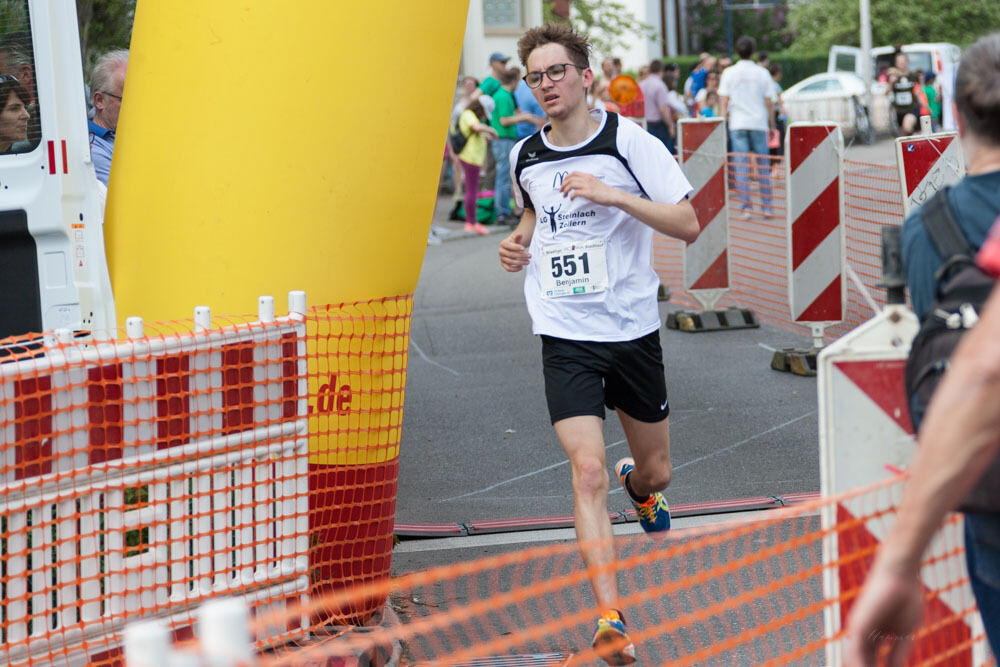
<point x="654" y="514"/>
<point x="611" y="641"/>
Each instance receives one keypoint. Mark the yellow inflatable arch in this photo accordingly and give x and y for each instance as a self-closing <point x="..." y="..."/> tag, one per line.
<point x="265" y="147"/>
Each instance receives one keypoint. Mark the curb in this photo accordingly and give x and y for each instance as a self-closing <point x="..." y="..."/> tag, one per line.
<point x="424" y="530"/>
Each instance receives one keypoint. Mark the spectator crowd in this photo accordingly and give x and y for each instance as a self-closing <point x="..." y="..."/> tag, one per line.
<point x="492" y="114"/>
<point x="20" y="117"/>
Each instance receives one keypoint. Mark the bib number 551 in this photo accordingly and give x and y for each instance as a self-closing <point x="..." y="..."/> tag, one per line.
<point x="566" y="265"/>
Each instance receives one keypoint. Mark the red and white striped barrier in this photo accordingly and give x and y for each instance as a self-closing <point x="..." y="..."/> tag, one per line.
<point x="865" y="432"/>
<point x="927" y="164"/>
<point x="204" y="423"/>
<point x="701" y="144"/>
<point x="816" y="285"/>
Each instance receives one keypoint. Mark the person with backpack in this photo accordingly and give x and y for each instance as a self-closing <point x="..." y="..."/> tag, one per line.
<point x="469" y="141"/>
<point x="959" y="439"/>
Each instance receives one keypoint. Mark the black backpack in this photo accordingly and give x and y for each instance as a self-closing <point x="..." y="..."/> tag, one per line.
<point x="456" y="139"/>
<point x="962" y="289"/>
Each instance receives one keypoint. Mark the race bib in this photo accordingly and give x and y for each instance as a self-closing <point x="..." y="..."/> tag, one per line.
<point x="570" y="269"/>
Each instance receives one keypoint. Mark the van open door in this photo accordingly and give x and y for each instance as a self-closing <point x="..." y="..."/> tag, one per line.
<point x="844" y="59"/>
<point x="53" y="271"/>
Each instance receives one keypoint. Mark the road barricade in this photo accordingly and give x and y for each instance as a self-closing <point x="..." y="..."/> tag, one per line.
<point x="145" y="476"/>
<point x="701" y="145"/>
<point x="758" y="248"/>
<point x="926" y="164"/>
<point x="815" y="230"/>
<point x="866" y="437"/>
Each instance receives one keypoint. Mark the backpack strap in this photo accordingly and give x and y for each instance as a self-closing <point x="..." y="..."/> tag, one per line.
<point x="939" y="221"/>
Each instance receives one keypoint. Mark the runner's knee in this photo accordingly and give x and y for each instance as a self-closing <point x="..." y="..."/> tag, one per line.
<point x="590" y="476"/>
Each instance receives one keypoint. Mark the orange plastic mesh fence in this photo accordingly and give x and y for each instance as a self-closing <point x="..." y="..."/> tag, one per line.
<point x="246" y="456"/>
<point x="742" y="593"/>
<point x="759" y="244"/>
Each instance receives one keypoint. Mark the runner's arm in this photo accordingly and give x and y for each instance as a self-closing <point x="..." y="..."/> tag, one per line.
<point x="676" y="220"/>
<point x="514" y="253"/>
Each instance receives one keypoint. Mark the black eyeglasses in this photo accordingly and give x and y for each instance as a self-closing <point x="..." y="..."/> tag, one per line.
<point x="554" y="72"/>
<point x="4" y="78"/>
<point x="117" y="97"/>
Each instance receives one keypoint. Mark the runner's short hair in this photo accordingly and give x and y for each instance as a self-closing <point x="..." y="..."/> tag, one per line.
<point x="977" y="88"/>
<point x="576" y="45"/>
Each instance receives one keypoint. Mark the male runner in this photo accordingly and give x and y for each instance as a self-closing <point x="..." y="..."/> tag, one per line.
<point x="594" y="187"/>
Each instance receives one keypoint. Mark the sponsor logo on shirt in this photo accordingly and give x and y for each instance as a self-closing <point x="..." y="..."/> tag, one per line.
<point x="574" y="219"/>
<point x="559" y="220"/>
<point x="551" y="212"/>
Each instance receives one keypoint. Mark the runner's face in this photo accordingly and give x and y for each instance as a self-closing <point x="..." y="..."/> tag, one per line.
<point x="560" y="98"/>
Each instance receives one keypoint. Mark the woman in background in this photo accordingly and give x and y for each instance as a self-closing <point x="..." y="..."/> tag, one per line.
<point x="13" y="116"/>
<point x="473" y="123"/>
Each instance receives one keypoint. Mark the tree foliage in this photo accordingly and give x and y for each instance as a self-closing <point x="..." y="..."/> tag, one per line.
<point x="608" y="24"/>
<point x="706" y="24"/>
<point x="104" y="25"/>
<point x="13" y="17"/>
<point x="818" y="24"/>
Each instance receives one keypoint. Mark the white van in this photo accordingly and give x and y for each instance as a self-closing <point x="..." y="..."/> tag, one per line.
<point x="53" y="271"/>
<point x="940" y="57"/>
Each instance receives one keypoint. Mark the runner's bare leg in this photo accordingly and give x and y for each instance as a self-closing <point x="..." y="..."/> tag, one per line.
<point x="583" y="439"/>
<point x="650" y="447"/>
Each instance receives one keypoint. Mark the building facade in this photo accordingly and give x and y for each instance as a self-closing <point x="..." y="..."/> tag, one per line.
<point x="496" y="25"/>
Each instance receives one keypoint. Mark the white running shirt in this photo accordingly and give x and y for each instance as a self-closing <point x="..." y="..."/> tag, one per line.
<point x="578" y="246"/>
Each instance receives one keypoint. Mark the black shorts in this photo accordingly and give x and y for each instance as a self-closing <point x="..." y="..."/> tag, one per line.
<point x="581" y="377"/>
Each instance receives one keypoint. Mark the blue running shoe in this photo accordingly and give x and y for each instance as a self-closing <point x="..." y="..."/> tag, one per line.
<point x="611" y="641"/>
<point x="654" y="514"/>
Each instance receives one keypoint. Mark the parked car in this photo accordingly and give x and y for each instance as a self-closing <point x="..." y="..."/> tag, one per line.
<point x="840" y="97"/>
<point x="939" y="57"/>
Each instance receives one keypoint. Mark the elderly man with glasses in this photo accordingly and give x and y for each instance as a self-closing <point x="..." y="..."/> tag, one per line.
<point x="107" y="81"/>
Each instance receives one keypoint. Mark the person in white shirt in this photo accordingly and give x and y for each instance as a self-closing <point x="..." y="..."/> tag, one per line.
<point x="595" y="187"/>
<point x="746" y="100"/>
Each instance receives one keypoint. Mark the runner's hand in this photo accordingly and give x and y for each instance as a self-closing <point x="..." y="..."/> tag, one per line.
<point x="513" y="255"/>
<point x="578" y="184"/>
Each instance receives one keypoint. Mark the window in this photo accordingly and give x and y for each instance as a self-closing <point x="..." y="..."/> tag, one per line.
<point x="845" y="62"/>
<point x="823" y="86"/>
<point x="20" y="125"/>
<point x="502" y="14"/>
<point x="919" y="60"/>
